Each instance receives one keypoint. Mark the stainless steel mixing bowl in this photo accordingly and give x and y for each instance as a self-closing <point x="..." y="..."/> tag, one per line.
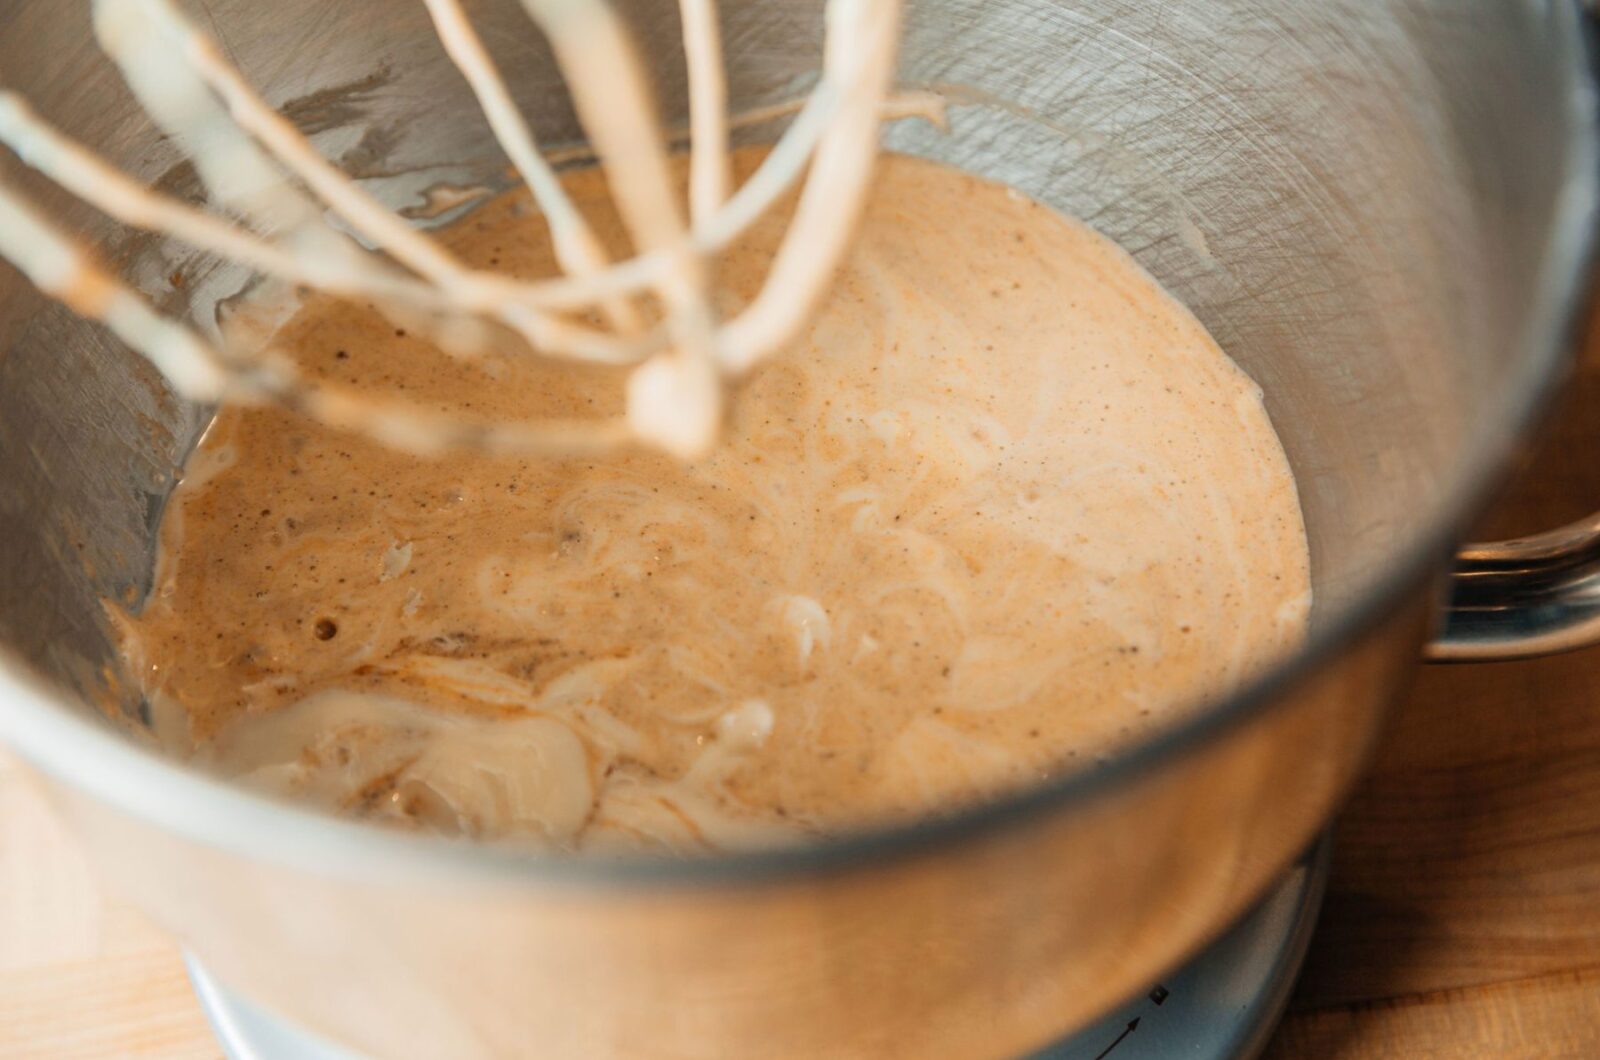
<point x="1381" y="209"/>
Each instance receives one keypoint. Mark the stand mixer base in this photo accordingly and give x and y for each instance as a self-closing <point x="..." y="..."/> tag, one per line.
<point x="1223" y="1005"/>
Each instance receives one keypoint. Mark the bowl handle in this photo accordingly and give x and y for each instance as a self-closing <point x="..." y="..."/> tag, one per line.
<point x="1528" y="596"/>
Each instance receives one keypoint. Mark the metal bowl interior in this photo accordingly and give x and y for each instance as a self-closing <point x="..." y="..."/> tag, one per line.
<point x="1382" y="211"/>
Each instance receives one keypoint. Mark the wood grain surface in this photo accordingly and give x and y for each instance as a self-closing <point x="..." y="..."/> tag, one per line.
<point x="81" y="975"/>
<point x="1463" y="918"/>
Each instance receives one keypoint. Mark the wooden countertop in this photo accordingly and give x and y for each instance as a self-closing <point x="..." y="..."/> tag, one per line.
<point x="1463" y="918"/>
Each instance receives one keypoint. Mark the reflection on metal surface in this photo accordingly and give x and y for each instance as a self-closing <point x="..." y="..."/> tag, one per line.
<point x="245" y="1032"/>
<point x="1222" y="1005"/>
<point x="1525" y="597"/>
<point x="1225" y="1003"/>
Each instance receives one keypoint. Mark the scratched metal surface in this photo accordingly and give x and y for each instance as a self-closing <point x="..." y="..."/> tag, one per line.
<point x="1333" y="187"/>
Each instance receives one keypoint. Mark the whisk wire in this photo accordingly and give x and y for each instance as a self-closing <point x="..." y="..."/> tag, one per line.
<point x="255" y="164"/>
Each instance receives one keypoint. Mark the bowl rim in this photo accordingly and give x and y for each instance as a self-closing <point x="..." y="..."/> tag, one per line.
<point x="89" y="755"/>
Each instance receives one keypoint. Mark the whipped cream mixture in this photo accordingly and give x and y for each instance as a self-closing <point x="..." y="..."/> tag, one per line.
<point x="1003" y="508"/>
